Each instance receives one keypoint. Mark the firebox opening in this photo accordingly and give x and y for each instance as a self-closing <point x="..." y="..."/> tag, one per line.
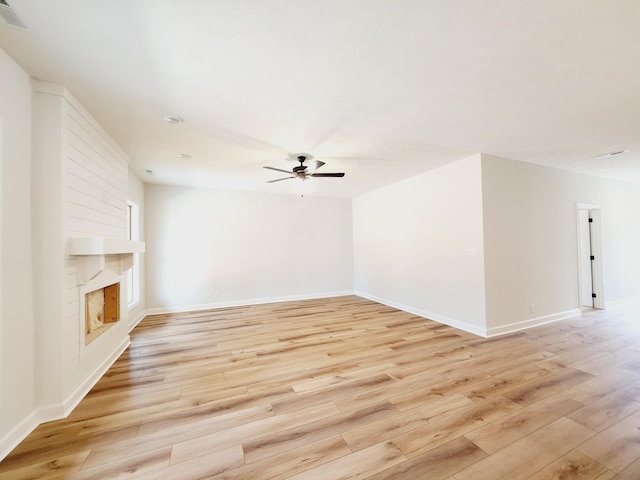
<point x="102" y="310"/>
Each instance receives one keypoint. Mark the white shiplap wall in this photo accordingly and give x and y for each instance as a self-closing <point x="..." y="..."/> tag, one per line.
<point x="96" y="180"/>
<point x="91" y="201"/>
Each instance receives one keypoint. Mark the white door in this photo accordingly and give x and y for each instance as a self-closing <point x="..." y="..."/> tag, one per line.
<point x="586" y="274"/>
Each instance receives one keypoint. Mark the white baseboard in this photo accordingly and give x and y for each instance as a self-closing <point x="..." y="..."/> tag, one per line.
<point x="49" y="413"/>
<point x="532" y="322"/>
<point x="76" y="397"/>
<point x="243" y="303"/>
<point x="137" y="320"/>
<point x="17" y="434"/>
<point x="467" y="327"/>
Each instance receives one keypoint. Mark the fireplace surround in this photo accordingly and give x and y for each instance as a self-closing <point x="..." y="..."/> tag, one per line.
<point x="102" y="266"/>
<point x="101" y="307"/>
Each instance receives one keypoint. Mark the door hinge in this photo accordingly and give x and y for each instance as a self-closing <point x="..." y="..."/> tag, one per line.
<point x="593" y="295"/>
<point x="591" y="220"/>
<point x="592" y="257"/>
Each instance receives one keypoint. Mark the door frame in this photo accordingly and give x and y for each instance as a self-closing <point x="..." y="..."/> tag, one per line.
<point x="595" y="212"/>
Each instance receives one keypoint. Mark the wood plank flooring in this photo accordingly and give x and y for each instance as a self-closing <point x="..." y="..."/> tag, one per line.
<point x="346" y="388"/>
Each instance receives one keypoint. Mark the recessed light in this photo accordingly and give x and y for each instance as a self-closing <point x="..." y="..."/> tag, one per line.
<point x="183" y="156"/>
<point x="173" y="119"/>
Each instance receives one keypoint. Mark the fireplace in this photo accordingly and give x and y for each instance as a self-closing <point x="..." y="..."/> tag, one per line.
<point x="102" y="264"/>
<point x="101" y="306"/>
<point x="102" y="310"/>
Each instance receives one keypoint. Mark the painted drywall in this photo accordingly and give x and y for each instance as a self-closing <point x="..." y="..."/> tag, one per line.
<point x="17" y="397"/>
<point x="208" y="248"/>
<point x="418" y="245"/>
<point x="530" y="238"/>
<point x="135" y="193"/>
<point x="48" y="237"/>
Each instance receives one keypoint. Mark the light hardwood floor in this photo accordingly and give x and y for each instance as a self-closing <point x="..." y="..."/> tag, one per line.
<point x="347" y="388"/>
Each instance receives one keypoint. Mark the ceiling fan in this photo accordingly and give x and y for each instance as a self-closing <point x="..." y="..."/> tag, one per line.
<point x="301" y="172"/>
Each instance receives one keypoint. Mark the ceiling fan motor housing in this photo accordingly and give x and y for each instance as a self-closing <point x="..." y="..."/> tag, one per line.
<point x="300" y="171"/>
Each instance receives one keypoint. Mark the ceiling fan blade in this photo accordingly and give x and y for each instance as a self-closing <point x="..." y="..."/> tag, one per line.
<point x="341" y="174"/>
<point x="279" y="179"/>
<point x="278" y="170"/>
<point x="318" y="164"/>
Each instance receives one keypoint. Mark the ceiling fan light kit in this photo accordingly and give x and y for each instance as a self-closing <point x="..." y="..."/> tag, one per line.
<point x="301" y="172"/>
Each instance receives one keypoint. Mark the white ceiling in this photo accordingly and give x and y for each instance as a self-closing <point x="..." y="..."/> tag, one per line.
<point x="379" y="89"/>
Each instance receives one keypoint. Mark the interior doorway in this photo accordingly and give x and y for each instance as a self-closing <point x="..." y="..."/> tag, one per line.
<point x="590" y="279"/>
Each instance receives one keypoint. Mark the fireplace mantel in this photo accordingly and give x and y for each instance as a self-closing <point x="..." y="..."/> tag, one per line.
<point x="91" y="252"/>
<point x="103" y="246"/>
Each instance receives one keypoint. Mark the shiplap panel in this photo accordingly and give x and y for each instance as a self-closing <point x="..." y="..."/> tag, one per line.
<point x="83" y="155"/>
<point x="72" y="362"/>
<point x="95" y="137"/>
<point x="95" y="184"/>
<point x="106" y="202"/>
<point x="87" y="165"/>
<point x="71" y="291"/>
<point x="90" y="195"/>
<point x="94" y="215"/>
<point x="93" y="222"/>
<point x="71" y="325"/>
<point x="95" y="205"/>
<point x="71" y="338"/>
<point x="97" y="180"/>
<point x="102" y="212"/>
<point x="83" y="228"/>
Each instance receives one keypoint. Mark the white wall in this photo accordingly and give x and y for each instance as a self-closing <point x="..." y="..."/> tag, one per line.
<point x="414" y="245"/>
<point x="530" y="238"/>
<point x="135" y="192"/>
<point x="17" y="396"/>
<point x="208" y="248"/>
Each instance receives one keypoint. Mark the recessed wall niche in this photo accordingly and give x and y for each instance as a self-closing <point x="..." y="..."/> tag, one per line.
<point x="102" y="310"/>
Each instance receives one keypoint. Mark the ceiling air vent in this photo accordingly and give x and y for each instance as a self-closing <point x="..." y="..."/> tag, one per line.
<point x="11" y="16"/>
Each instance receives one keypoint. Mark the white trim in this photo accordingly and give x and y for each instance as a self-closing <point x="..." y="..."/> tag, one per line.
<point x="133" y="273"/>
<point x="17" y="434"/>
<point x="598" y="264"/>
<point x="82" y="246"/>
<point x="596" y="245"/>
<point x="58" y="411"/>
<point x="587" y="206"/>
<point x="137" y="320"/>
<point x="467" y="327"/>
<point x="62" y="410"/>
<point x="532" y="322"/>
<point x="242" y="303"/>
